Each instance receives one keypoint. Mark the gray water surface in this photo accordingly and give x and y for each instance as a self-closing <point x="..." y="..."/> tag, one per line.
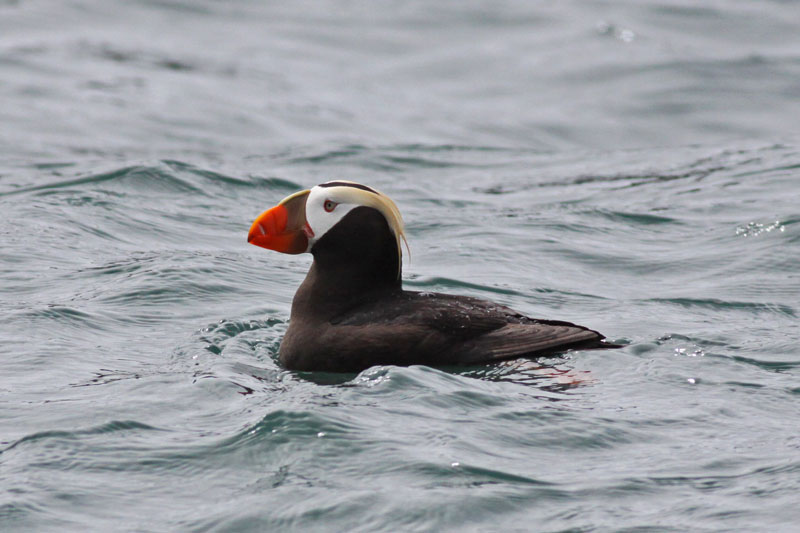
<point x="629" y="166"/>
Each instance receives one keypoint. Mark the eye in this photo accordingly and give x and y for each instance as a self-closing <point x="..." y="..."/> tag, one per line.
<point x="329" y="205"/>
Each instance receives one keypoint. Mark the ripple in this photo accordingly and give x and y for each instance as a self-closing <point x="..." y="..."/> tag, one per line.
<point x="474" y="476"/>
<point x="282" y="426"/>
<point x="131" y="178"/>
<point x="114" y="426"/>
<point x="724" y="305"/>
<point x="772" y="366"/>
<point x="64" y="315"/>
<point x="218" y="336"/>
<point x="752" y="229"/>
<point x="643" y="219"/>
<point x="443" y="283"/>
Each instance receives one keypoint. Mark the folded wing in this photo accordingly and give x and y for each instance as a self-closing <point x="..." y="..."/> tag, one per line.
<point x="453" y="329"/>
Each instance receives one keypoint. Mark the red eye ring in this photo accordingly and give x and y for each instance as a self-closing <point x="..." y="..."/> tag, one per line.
<point x="329" y="205"/>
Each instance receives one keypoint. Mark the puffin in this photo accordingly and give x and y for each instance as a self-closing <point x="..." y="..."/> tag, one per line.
<point x="351" y="311"/>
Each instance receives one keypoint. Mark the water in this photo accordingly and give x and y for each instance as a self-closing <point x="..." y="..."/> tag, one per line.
<point x="628" y="166"/>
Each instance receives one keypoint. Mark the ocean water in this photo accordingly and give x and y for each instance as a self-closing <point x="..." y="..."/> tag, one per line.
<point x="630" y="166"/>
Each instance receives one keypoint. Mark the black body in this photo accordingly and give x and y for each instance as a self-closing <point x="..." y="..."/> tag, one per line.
<point x="351" y="313"/>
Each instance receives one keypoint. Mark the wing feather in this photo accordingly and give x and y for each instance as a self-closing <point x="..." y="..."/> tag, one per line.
<point x="450" y="329"/>
<point x="518" y="340"/>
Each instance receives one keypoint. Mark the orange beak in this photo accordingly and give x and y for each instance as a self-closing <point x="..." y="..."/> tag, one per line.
<point x="282" y="228"/>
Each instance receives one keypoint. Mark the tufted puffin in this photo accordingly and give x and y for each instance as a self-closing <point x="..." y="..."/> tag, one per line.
<point x="351" y="312"/>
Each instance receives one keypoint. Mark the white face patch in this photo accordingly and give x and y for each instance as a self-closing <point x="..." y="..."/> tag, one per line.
<point x="329" y="202"/>
<point x="325" y="207"/>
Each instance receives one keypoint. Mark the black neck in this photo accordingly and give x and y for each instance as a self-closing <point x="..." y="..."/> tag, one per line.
<point x="354" y="262"/>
